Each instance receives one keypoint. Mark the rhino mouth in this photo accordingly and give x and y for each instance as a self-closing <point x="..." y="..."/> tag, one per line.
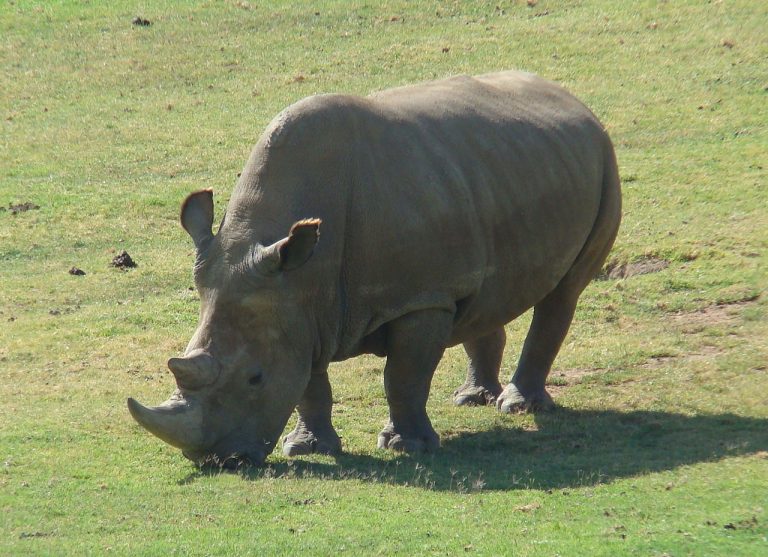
<point x="230" y="453"/>
<point x="234" y="460"/>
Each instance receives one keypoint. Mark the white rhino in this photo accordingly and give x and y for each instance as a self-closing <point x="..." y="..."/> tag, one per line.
<point x="448" y="209"/>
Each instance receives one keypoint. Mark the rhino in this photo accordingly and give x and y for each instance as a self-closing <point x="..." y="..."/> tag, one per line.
<point x="447" y="209"/>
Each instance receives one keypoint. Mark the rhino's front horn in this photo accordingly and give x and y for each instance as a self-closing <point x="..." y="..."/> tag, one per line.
<point x="195" y="370"/>
<point x="177" y="421"/>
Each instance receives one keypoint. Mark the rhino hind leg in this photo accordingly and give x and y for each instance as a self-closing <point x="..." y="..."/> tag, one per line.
<point x="482" y="384"/>
<point x="314" y="432"/>
<point x="552" y="316"/>
<point x="551" y="320"/>
<point x="415" y="343"/>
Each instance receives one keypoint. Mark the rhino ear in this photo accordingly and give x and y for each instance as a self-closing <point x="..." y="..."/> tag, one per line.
<point x="291" y="252"/>
<point x="197" y="216"/>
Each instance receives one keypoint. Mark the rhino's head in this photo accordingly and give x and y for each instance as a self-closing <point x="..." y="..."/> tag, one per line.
<point x="250" y="359"/>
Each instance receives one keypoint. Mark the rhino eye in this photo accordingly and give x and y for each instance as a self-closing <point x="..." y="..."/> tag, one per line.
<point x="255" y="379"/>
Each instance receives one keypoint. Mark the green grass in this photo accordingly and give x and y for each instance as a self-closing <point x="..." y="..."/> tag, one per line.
<point x="660" y="444"/>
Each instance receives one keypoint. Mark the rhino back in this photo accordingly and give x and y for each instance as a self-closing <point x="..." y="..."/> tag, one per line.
<point x="475" y="195"/>
<point x="470" y="194"/>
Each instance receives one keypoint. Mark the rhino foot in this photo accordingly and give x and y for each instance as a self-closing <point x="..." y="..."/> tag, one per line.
<point x="472" y="395"/>
<point x="512" y="401"/>
<point x="419" y="440"/>
<point x="302" y="441"/>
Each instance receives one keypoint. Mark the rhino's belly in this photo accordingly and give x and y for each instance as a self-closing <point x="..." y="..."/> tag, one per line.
<point x="482" y="300"/>
<point x="486" y="276"/>
<point x="499" y="301"/>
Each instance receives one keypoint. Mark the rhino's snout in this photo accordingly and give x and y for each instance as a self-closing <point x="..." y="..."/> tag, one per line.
<point x="179" y="422"/>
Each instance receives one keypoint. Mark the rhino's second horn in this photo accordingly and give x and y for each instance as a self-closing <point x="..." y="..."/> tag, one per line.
<point x="195" y="370"/>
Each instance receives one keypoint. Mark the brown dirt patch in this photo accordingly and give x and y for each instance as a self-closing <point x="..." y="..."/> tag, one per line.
<point x="657" y="361"/>
<point x="572" y="376"/>
<point x="556" y="390"/>
<point x="703" y="353"/>
<point x="648" y="265"/>
<point x="719" y="314"/>
<point x="528" y="508"/>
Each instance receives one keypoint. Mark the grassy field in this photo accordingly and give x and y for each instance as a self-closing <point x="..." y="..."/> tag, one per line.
<point x="660" y="443"/>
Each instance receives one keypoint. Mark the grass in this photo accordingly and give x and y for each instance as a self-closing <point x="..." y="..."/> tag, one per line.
<point x="660" y="445"/>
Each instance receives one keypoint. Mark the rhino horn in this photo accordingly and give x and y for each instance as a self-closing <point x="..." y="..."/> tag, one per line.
<point x="195" y="370"/>
<point x="177" y="421"/>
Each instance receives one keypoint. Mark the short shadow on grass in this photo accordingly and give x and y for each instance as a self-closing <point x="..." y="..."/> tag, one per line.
<point x="571" y="448"/>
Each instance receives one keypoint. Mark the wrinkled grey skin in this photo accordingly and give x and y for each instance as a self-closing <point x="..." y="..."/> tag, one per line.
<point x="448" y="209"/>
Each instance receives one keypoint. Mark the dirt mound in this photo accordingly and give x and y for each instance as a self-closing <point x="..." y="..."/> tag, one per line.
<point x="123" y="261"/>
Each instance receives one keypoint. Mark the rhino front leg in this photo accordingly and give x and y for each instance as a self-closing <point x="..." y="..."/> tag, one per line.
<point x="314" y="432"/>
<point x="415" y="344"/>
<point x="482" y="385"/>
<point x="551" y="320"/>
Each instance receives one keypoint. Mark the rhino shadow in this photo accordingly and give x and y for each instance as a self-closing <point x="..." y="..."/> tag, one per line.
<point x="569" y="449"/>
